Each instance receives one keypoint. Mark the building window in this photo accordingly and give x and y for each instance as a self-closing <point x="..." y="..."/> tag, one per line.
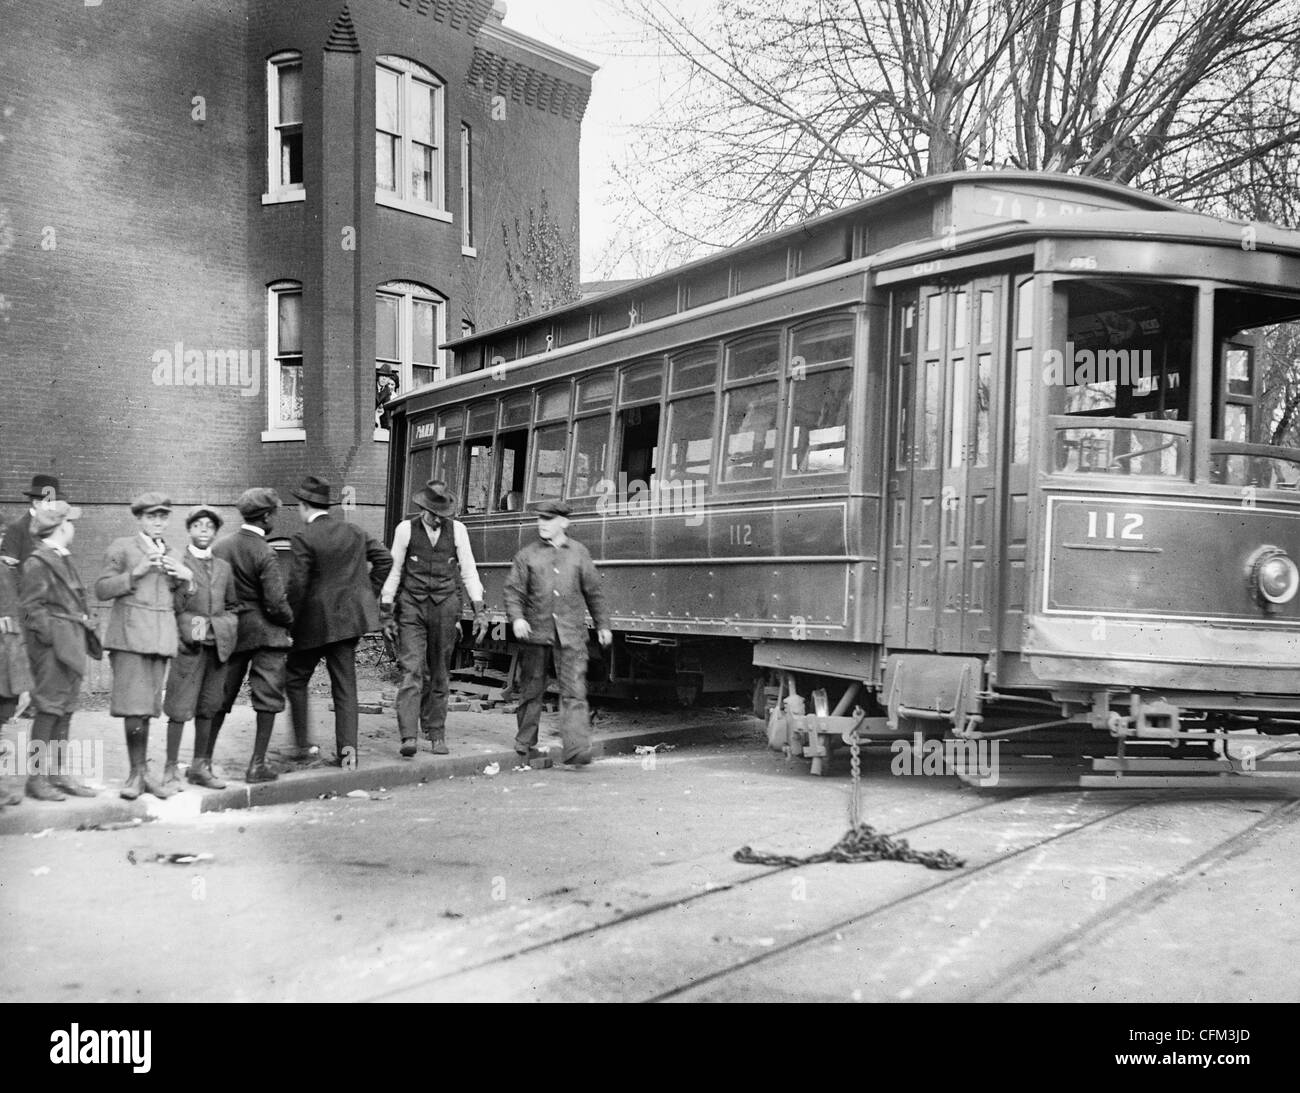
<point x="284" y="181"/>
<point x="467" y="191"/>
<point x="410" y="324"/>
<point x="408" y="138"/>
<point x="284" y="388"/>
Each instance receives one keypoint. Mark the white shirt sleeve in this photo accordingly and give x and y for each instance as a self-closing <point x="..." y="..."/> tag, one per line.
<point x="468" y="570"/>
<point x="401" y="540"/>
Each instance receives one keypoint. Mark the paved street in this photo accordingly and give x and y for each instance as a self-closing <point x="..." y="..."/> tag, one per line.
<point x="618" y="884"/>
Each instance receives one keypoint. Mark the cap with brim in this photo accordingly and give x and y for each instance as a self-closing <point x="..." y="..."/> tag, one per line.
<point x="46" y="519"/>
<point x="551" y="509"/>
<point x="151" y="502"/>
<point x="203" y="510"/>
<point x="257" y="501"/>
<point x="435" y="500"/>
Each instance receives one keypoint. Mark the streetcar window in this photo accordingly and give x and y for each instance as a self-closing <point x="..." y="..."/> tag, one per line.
<point x="595" y="391"/>
<point x="820" y="392"/>
<point x="516" y="410"/>
<point x="451" y="423"/>
<point x="513" y="447"/>
<point x="482" y="417"/>
<point x="639" y="427"/>
<point x="419" y="470"/>
<point x="754" y="357"/>
<point x="1127" y="351"/>
<point x="479" y="465"/>
<point x="642" y="382"/>
<point x="548" y="471"/>
<point x="750" y="444"/>
<point x="446" y="467"/>
<point x="553" y="402"/>
<point x="690" y="439"/>
<point x="590" y="453"/>
<point x="693" y="370"/>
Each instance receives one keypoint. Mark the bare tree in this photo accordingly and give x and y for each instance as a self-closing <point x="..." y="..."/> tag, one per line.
<point x="791" y="110"/>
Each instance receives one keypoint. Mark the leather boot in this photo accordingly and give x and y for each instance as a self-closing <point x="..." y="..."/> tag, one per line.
<point x="171" y="772"/>
<point x="38" y="785"/>
<point x="200" y="774"/>
<point x="58" y="778"/>
<point x="258" y="771"/>
<point x="136" y="743"/>
<point x="159" y="789"/>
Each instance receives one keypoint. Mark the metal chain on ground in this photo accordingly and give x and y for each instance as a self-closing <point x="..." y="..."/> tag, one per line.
<point x="862" y="842"/>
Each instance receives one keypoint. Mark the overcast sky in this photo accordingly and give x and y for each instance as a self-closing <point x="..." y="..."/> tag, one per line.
<point x="629" y="87"/>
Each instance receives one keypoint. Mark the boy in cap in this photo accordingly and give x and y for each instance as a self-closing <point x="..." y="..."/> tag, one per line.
<point x="262" y="636"/>
<point x="429" y="551"/>
<point x="19" y="542"/>
<point x="552" y="584"/>
<point x="207" y="626"/>
<point x="57" y="627"/>
<point x="338" y="571"/>
<point x="140" y="576"/>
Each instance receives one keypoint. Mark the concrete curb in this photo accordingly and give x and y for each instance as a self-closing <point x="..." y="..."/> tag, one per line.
<point x="33" y="817"/>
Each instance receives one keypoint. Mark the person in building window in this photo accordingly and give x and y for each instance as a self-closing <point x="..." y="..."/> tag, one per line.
<point x="385" y="388"/>
<point x="262" y="636"/>
<point x="59" y="637"/>
<point x="552" y="585"/>
<point x="207" y="627"/>
<point x="338" y="571"/>
<point x="421" y="605"/>
<point x="140" y="576"/>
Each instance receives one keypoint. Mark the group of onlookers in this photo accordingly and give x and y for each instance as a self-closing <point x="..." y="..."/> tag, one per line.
<point x="186" y="627"/>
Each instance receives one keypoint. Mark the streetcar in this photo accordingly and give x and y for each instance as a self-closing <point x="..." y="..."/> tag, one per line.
<point x="993" y="454"/>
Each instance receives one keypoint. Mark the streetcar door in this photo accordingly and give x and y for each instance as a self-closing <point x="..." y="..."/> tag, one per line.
<point x="942" y="490"/>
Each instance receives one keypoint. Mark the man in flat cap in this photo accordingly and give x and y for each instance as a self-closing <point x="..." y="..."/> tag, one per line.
<point x="337" y="573"/>
<point x="262" y="637"/>
<point x="552" y="584"/>
<point x="208" y="626"/>
<point x="140" y="576"/>
<point x="59" y="635"/>
<point x="432" y="561"/>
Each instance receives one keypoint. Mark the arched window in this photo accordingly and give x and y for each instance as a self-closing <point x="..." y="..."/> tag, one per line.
<point x="284" y="179"/>
<point x="410" y="324"/>
<point x="410" y="164"/>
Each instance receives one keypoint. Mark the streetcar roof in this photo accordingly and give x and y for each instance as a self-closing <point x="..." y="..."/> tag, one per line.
<point x="1043" y="184"/>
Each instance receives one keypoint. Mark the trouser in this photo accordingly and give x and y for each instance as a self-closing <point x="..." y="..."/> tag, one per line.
<point x="265" y="670"/>
<point x="571" y="675"/>
<point x="341" y="662"/>
<point x="427" y="634"/>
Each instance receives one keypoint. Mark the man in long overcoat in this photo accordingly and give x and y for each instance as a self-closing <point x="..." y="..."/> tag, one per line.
<point x="262" y="640"/>
<point x="56" y="625"/>
<point x="338" y="571"/>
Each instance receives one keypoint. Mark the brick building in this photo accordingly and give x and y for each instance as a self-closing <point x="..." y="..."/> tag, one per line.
<point x="220" y="218"/>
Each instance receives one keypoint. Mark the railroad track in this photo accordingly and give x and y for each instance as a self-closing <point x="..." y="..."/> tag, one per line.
<point x="759" y="932"/>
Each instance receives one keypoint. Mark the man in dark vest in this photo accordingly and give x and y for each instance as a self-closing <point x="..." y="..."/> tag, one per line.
<point x="337" y="572"/>
<point x="432" y="559"/>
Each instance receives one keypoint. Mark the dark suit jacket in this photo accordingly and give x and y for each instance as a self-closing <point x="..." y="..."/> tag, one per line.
<point x="334" y="597"/>
<point x="54" y="609"/>
<point x="264" y="613"/>
<point x="210" y="596"/>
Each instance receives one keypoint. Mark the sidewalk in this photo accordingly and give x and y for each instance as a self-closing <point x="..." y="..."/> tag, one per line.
<point x="476" y="740"/>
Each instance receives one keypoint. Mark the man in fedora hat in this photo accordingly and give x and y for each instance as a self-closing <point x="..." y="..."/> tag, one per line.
<point x="58" y="632"/>
<point x="385" y="388"/>
<point x="334" y="586"/>
<point x="262" y="634"/>
<point x="552" y="585"/>
<point x="207" y="627"/>
<point x="18" y="541"/>
<point x="430" y="552"/>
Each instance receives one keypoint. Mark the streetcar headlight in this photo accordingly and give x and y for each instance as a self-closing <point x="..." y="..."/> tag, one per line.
<point x="1275" y="575"/>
